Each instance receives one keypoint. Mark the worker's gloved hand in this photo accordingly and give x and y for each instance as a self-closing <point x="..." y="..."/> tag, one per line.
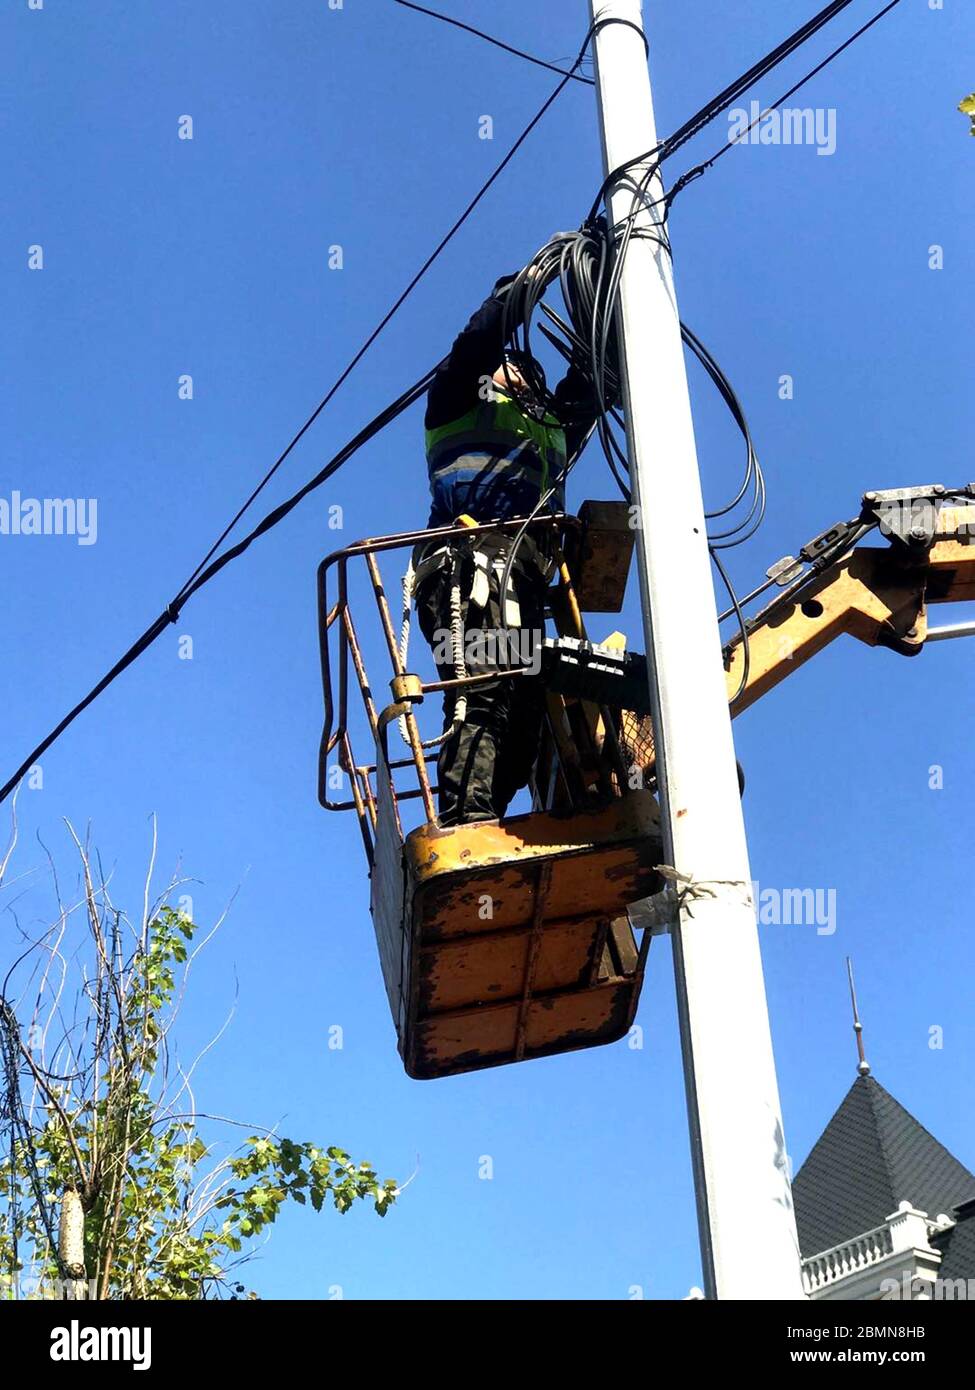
<point x="502" y="286"/>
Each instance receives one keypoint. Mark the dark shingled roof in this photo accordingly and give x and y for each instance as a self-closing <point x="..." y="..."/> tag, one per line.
<point x="872" y="1156"/>
<point x="957" y="1246"/>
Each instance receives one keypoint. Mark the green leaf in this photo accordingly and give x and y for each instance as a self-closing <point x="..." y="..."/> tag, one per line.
<point x="163" y="1249"/>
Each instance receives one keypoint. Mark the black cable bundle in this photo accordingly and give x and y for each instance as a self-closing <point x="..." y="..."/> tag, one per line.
<point x="587" y="265"/>
<point x="581" y="264"/>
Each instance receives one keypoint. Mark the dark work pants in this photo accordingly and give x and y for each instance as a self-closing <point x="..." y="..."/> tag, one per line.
<point x="483" y="764"/>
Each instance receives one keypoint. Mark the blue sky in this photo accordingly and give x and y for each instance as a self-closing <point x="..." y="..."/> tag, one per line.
<point x="358" y="127"/>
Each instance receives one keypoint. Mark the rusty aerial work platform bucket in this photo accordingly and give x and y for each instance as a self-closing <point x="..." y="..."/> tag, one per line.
<point x="500" y="941"/>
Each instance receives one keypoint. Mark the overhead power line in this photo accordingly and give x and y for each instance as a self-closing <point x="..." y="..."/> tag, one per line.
<point x="208" y="567"/>
<point x="204" y="575"/>
<point x="733" y="92"/>
<point x="761" y="69"/>
<point x="437" y="251"/>
<point x="498" y="43"/>
<point x="831" y="57"/>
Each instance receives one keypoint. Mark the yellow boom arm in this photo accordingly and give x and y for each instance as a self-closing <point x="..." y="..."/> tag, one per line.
<point x="877" y="595"/>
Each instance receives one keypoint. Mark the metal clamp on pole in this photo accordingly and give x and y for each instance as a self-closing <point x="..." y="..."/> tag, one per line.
<point x="657" y="914"/>
<point x="407" y="687"/>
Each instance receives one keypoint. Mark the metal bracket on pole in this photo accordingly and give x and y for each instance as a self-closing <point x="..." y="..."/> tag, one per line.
<point x="657" y="914"/>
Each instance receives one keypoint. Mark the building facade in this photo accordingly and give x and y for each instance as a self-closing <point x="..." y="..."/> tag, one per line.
<point x="883" y="1210"/>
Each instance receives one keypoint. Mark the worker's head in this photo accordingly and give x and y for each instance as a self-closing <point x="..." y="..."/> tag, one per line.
<point x="521" y="373"/>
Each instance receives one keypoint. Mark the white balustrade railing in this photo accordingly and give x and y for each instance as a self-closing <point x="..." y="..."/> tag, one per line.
<point x="851" y="1257"/>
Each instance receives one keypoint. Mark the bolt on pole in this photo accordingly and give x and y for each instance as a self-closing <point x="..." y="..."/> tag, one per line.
<point x="747" y="1225"/>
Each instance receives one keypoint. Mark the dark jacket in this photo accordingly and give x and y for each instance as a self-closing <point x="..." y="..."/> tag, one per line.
<point x="478" y="463"/>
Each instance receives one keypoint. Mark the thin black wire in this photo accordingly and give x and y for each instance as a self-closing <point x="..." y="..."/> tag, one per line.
<point x="748" y="598"/>
<point x="736" y="606"/>
<point x="498" y="43"/>
<point x="761" y="69"/>
<point x="708" y="113"/>
<point x="383" y="322"/>
<point x="712" y="109"/>
<point x="852" y="536"/>
<point x="699" y="169"/>
<point x="753" y="478"/>
<point x="208" y="567"/>
<point x="171" y="613"/>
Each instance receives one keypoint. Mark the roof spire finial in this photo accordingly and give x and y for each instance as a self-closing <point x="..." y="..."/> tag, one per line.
<point x="863" y="1067"/>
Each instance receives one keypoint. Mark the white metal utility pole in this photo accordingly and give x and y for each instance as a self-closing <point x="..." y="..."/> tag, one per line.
<point x="747" y="1225"/>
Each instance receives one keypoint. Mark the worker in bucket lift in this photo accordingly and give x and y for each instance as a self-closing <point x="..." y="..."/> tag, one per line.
<point x="493" y="451"/>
